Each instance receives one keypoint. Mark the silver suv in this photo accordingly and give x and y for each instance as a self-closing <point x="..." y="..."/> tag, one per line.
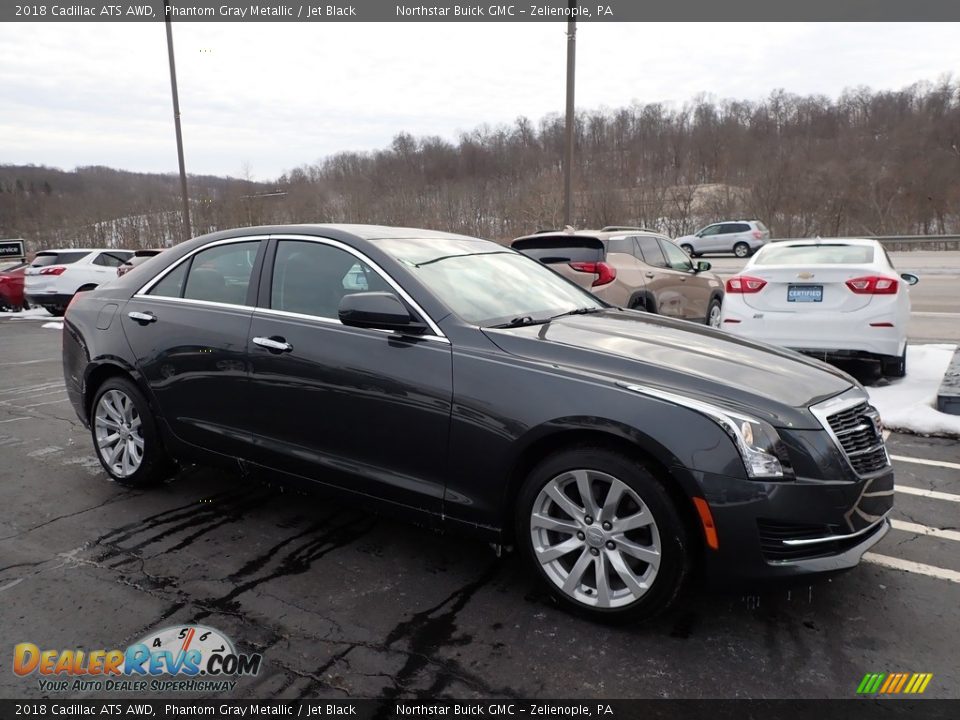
<point x="741" y="237"/>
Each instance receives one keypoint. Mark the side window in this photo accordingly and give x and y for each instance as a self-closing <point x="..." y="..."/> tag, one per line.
<point x="312" y="278"/>
<point x="729" y="228"/>
<point x="710" y="230"/>
<point x="221" y="273"/>
<point x="675" y="256"/>
<point x="620" y="245"/>
<point x="650" y="251"/>
<point x="172" y="283"/>
<point x="108" y="259"/>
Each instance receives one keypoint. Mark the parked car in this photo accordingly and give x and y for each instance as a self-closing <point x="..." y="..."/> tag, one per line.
<point x="471" y="388"/>
<point x="828" y="298"/>
<point x="11" y="286"/>
<point x="740" y="237"/>
<point x="138" y="258"/>
<point x="55" y="276"/>
<point x="631" y="269"/>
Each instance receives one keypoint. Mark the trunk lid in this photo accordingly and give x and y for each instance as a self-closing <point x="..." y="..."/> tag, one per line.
<point x="559" y="251"/>
<point x="794" y="289"/>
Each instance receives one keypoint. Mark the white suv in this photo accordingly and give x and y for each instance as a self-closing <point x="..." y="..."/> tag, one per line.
<point x="55" y="276"/>
<point x="741" y="237"/>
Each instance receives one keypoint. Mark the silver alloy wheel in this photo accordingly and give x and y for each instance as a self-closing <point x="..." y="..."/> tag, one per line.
<point x="119" y="433"/>
<point x="741" y="250"/>
<point x="595" y="538"/>
<point x="714" y="319"/>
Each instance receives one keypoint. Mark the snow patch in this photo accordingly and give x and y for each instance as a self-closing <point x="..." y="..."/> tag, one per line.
<point x="910" y="403"/>
<point x="53" y="325"/>
<point x="31" y="314"/>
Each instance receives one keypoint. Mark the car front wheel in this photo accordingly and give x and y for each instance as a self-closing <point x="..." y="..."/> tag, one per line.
<point x="603" y="534"/>
<point x="125" y="435"/>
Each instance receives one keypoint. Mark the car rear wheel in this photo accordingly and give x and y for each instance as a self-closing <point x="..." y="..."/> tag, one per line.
<point x="895" y="366"/>
<point x="603" y="534"/>
<point x="741" y="250"/>
<point x="713" y="313"/>
<point x="125" y="435"/>
<point x="55" y="310"/>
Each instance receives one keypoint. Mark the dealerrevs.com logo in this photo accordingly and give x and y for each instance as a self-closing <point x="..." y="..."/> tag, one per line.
<point x="187" y="658"/>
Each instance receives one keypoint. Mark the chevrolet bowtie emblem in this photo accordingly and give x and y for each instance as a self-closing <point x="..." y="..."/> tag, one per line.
<point x="805" y="275"/>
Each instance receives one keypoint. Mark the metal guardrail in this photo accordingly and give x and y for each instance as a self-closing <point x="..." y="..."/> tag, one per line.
<point x="903" y="242"/>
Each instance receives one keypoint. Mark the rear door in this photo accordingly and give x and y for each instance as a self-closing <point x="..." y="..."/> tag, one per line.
<point x="103" y="266"/>
<point x="662" y="281"/>
<point x="188" y="329"/>
<point x="564" y="253"/>
<point x="358" y="408"/>
<point x="732" y="233"/>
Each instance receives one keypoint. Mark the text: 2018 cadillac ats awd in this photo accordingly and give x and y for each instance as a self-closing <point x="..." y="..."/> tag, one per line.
<point x="461" y="384"/>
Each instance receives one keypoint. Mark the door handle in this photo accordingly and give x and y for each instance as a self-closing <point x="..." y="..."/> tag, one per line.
<point x="650" y="274"/>
<point x="274" y="344"/>
<point x="142" y="318"/>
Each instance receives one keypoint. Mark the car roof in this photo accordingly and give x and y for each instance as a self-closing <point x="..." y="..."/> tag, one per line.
<point x="596" y="234"/>
<point x="826" y="241"/>
<point x="83" y="250"/>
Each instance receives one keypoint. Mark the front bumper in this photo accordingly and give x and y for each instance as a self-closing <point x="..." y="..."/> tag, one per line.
<point x="788" y="531"/>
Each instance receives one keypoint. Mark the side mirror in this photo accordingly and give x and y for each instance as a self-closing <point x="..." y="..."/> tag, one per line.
<point x="703" y="266"/>
<point x="378" y="310"/>
<point x="909" y="278"/>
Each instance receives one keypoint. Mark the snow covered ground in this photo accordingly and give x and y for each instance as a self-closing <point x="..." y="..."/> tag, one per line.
<point x="910" y="404"/>
<point x="31" y="314"/>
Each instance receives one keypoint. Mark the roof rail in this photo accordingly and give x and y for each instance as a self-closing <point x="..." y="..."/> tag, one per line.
<point x="625" y="228"/>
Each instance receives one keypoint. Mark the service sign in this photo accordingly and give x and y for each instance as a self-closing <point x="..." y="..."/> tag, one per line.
<point x="11" y="249"/>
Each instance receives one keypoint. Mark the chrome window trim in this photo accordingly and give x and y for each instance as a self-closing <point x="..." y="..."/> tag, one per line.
<point x="849" y="399"/>
<point x="831" y="538"/>
<point x="336" y="323"/>
<point x="142" y="293"/>
<point x="437" y="332"/>
<point x="144" y="289"/>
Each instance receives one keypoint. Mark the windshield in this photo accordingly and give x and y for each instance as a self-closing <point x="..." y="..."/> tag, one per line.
<point x="815" y="255"/>
<point x="486" y="284"/>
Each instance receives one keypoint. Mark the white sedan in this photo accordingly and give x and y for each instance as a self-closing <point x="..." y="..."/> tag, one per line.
<point x="828" y="298"/>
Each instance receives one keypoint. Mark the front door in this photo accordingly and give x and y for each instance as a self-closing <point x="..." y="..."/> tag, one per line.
<point x="361" y="409"/>
<point x="692" y="295"/>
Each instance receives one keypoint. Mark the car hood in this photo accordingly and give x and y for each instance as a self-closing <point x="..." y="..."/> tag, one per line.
<point x="679" y="240"/>
<point x="774" y="384"/>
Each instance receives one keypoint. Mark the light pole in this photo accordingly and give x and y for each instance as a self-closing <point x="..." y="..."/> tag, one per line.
<point x="568" y="154"/>
<point x="176" y="123"/>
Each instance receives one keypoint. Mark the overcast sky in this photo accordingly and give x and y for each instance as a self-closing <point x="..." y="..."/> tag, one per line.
<point x="273" y="96"/>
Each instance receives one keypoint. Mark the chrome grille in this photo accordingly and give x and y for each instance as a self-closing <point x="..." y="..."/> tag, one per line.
<point x="857" y="431"/>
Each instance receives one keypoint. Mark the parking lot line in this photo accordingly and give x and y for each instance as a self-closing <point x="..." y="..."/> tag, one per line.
<point x="924" y="461"/>
<point x="912" y="567"/>
<point x="925" y="530"/>
<point x="934" y="494"/>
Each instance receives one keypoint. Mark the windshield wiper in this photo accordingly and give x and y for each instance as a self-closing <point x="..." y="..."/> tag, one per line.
<point x="578" y="311"/>
<point x="529" y="320"/>
<point x="520" y="322"/>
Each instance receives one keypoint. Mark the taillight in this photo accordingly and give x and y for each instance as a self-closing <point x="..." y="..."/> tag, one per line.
<point x="757" y="235"/>
<point x="873" y="285"/>
<point x="55" y="270"/>
<point x="605" y="273"/>
<point x="745" y="284"/>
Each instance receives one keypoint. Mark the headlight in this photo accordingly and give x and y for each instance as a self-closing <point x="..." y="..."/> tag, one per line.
<point x="759" y="444"/>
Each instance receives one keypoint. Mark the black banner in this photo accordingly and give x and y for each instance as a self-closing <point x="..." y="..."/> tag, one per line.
<point x="508" y="708"/>
<point x="11" y="249"/>
<point x="465" y="11"/>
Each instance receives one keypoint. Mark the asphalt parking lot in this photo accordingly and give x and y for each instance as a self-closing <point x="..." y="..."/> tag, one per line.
<point x="346" y="604"/>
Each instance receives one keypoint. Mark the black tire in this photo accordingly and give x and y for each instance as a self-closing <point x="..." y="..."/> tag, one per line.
<point x="675" y="561"/>
<point x="643" y="303"/>
<point x="713" y="307"/>
<point x="55" y="310"/>
<point x="688" y="249"/>
<point x="895" y="367"/>
<point x="155" y="466"/>
<point x="742" y="250"/>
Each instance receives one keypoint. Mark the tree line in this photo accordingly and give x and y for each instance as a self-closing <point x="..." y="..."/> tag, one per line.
<point x="864" y="163"/>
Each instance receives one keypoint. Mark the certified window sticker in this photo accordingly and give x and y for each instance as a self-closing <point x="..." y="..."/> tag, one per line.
<point x="184" y="658"/>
